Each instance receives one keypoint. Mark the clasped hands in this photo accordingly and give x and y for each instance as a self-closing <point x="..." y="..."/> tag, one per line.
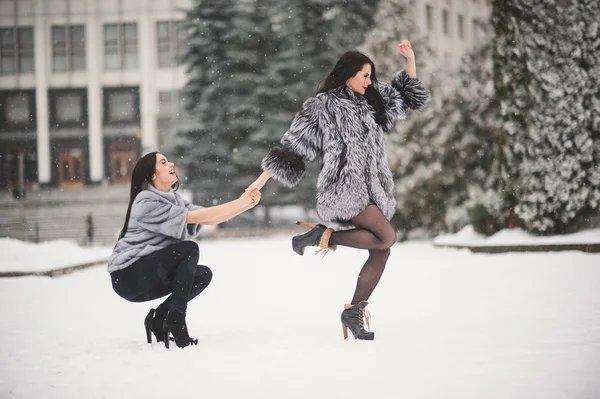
<point x="251" y="197"/>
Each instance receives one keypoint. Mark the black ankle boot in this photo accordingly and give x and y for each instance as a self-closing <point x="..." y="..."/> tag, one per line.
<point x="175" y="324"/>
<point x="353" y="318"/>
<point x="311" y="238"/>
<point x="154" y="325"/>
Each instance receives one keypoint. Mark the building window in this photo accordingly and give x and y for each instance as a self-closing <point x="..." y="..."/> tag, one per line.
<point x="68" y="48"/>
<point x="170" y="40"/>
<point x="165" y="105"/>
<point x="120" y="46"/>
<point x="8" y="57"/>
<point x="121" y="105"/>
<point x="172" y="105"/>
<point x="461" y="29"/>
<point x="183" y="103"/>
<point x="445" y="22"/>
<point x="16" y="51"/>
<point x="475" y="29"/>
<point x="429" y="16"/>
<point x="69" y="107"/>
<point x="16" y="109"/>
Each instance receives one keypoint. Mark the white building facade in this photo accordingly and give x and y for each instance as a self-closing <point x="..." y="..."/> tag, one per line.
<point x="84" y="87"/>
<point x="87" y="85"/>
<point x="453" y="26"/>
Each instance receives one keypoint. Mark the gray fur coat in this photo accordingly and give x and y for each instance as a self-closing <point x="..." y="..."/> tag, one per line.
<point x="338" y="127"/>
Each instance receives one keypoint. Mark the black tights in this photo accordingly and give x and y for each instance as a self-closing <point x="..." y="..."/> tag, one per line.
<point x="171" y="270"/>
<point x="373" y="232"/>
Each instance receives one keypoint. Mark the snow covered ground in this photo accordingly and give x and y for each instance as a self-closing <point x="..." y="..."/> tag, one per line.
<point x="448" y="323"/>
<point x="468" y="237"/>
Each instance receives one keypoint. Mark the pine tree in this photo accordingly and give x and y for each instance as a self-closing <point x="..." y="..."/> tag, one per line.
<point x="547" y="69"/>
<point x="454" y="148"/>
<point x="204" y="152"/>
<point x="251" y="66"/>
<point x="394" y="23"/>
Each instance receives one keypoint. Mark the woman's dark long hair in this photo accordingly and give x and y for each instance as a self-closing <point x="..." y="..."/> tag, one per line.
<point x="347" y="66"/>
<point x="143" y="171"/>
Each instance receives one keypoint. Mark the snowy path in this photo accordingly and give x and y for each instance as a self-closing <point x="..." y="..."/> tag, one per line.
<point x="448" y="323"/>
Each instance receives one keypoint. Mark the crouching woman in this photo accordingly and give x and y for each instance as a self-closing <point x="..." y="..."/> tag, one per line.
<point x="152" y="258"/>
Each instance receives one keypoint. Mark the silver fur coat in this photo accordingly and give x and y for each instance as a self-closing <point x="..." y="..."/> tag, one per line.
<point x="338" y="127"/>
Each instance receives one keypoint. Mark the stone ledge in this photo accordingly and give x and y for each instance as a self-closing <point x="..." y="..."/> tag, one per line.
<point x="54" y="272"/>
<point x="495" y="249"/>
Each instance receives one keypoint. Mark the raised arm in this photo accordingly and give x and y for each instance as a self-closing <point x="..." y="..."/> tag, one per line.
<point x="220" y="213"/>
<point x="405" y="91"/>
<point x="411" y="66"/>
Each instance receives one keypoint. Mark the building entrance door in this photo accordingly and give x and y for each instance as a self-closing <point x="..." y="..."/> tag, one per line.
<point x="121" y="166"/>
<point x="71" y="169"/>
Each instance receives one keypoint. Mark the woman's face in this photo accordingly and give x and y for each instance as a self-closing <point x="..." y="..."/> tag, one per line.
<point x="164" y="174"/>
<point x="359" y="82"/>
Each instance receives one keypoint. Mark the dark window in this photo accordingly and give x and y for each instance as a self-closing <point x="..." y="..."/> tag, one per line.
<point x="77" y="48"/>
<point x="120" y="46"/>
<point x="170" y="40"/>
<point x="16" y="51"/>
<point x="111" y="47"/>
<point x="165" y="105"/>
<point x="68" y="107"/>
<point x="130" y="48"/>
<point x="17" y="110"/>
<point x="461" y="28"/>
<point x="429" y="17"/>
<point x="59" y="49"/>
<point x="121" y="105"/>
<point x="445" y="28"/>
<point x="68" y="48"/>
<point x="25" y="50"/>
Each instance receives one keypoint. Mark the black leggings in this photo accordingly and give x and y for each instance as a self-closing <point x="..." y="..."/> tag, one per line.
<point x="373" y="232"/>
<point x="172" y="270"/>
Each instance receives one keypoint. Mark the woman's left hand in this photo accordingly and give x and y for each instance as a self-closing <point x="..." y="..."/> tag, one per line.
<point x="406" y="49"/>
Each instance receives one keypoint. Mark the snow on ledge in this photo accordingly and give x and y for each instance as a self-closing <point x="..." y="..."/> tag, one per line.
<point x="21" y="256"/>
<point x="469" y="238"/>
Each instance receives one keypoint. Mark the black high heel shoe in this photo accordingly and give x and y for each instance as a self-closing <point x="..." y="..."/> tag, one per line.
<point x="353" y="318"/>
<point x="318" y="236"/>
<point x="154" y="325"/>
<point x="175" y="324"/>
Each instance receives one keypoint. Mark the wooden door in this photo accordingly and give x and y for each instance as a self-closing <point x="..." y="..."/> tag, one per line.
<point x="121" y="166"/>
<point x="71" y="169"/>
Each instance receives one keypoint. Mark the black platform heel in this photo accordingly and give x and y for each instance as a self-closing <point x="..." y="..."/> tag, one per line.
<point x="154" y="325"/>
<point x="318" y="236"/>
<point x="175" y="324"/>
<point x="353" y="318"/>
<point x="148" y="325"/>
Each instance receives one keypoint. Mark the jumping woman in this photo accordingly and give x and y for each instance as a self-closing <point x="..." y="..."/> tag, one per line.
<point x="344" y="126"/>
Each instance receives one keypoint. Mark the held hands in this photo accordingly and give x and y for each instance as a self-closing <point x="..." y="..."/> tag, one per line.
<point x="250" y="199"/>
<point x="406" y="50"/>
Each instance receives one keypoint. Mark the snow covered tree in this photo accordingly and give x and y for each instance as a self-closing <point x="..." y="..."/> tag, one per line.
<point x="251" y="64"/>
<point x="395" y="22"/>
<point x="204" y="153"/>
<point x="455" y="147"/>
<point x="547" y="74"/>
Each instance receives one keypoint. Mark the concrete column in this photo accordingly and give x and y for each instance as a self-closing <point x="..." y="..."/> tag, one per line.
<point x="94" y="46"/>
<point x="41" y="42"/>
<point x="148" y="100"/>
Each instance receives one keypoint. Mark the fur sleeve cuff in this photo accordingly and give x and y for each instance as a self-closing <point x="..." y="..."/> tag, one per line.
<point x="415" y="95"/>
<point x="286" y="167"/>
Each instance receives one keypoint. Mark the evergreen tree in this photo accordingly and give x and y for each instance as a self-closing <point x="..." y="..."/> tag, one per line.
<point x="454" y="148"/>
<point x="251" y="64"/>
<point x="204" y="151"/>
<point x="547" y="71"/>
